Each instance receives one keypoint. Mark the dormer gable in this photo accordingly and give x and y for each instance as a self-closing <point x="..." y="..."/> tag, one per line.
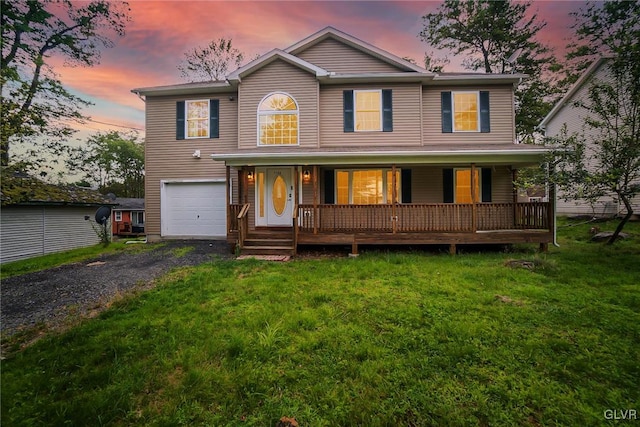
<point x="274" y="55"/>
<point x="341" y="53"/>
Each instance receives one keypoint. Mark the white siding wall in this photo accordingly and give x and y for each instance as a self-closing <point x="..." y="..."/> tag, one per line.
<point x="27" y="232"/>
<point x="572" y="117"/>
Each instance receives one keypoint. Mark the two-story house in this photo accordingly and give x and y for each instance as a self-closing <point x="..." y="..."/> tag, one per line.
<point x="335" y="141"/>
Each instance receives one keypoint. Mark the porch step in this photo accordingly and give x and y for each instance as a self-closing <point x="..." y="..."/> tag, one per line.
<point x="269" y="241"/>
<point x="268" y="250"/>
<point x="252" y="241"/>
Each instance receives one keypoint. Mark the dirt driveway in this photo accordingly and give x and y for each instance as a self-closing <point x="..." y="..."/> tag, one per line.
<point x="50" y="296"/>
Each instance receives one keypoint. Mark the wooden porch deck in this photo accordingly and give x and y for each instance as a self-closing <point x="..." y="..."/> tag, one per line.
<point x="411" y="224"/>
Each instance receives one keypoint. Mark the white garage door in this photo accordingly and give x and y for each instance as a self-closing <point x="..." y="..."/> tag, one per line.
<point x="194" y="209"/>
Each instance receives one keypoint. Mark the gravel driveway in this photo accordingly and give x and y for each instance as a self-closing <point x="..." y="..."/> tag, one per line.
<point x="49" y="296"/>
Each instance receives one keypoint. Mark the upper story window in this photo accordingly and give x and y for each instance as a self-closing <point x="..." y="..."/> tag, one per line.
<point x="368" y="110"/>
<point x="198" y="119"/>
<point x="465" y="111"/>
<point x="278" y="120"/>
<point x="466" y="114"/>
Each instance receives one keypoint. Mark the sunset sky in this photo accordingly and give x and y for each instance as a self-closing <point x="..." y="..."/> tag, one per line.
<point x="161" y="31"/>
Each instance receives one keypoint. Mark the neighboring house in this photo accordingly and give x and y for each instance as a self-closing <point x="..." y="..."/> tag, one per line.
<point x="39" y="218"/>
<point x="127" y="217"/>
<point x="335" y="141"/>
<point x="567" y="113"/>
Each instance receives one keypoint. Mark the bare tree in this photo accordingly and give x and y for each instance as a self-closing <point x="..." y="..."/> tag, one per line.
<point x="210" y="62"/>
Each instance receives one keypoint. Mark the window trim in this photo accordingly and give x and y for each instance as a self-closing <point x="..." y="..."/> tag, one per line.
<point x="355" y="111"/>
<point x="272" y="112"/>
<point x="478" y="184"/>
<point x="186" y="119"/>
<point x="118" y="216"/>
<point x="385" y="184"/>
<point x="136" y="215"/>
<point x="453" y="111"/>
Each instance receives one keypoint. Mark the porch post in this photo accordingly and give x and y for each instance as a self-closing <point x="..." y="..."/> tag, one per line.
<point x="474" y="219"/>
<point x="315" y="199"/>
<point x="551" y="206"/>
<point x="296" y="187"/>
<point x="394" y="198"/>
<point x="514" y="177"/>
<point x="228" y="198"/>
<point x="245" y="187"/>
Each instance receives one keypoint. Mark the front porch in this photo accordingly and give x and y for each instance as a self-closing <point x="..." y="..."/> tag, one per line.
<point x="409" y="224"/>
<point x="354" y="199"/>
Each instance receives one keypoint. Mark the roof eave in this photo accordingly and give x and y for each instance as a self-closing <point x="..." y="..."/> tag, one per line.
<point x="484" y="78"/>
<point x="407" y="157"/>
<point x="187" y="89"/>
<point x="567" y="96"/>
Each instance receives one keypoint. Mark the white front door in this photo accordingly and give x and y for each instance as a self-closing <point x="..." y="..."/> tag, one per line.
<point x="274" y="197"/>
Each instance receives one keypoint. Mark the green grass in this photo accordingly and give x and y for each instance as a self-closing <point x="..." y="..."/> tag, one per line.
<point x="388" y="338"/>
<point x="59" y="258"/>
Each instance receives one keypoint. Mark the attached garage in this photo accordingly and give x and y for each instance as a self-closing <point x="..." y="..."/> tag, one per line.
<point x="194" y="209"/>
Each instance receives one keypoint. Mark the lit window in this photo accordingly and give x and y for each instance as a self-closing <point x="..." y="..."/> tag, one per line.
<point x="368" y="109"/>
<point x="197" y="119"/>
<point x="463" y="185"/>
<point x="278" y="120"/>
<point x="366" y="187"/>
<point x="465" y="111"/>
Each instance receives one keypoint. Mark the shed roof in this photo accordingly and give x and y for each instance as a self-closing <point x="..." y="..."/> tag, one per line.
<point x="129" y="204"/>
<point x="19" y="189"/>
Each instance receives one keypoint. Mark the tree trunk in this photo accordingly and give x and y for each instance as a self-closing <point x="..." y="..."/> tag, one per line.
<point x="615" y="234"/>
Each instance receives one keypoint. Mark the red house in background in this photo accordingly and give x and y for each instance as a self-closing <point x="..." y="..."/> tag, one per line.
<point x="127" y="217"/>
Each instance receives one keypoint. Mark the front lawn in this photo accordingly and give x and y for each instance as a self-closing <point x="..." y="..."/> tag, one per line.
<point x="389" y="338"/>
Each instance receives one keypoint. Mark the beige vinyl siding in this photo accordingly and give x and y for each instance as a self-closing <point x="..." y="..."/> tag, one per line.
<point x="279" y="76"/>
<point x="333" y="55"/>
<point x="406" y="113"/>
<point x="27" y="232"/>
<point x="427" y="183"/>
<point x="501" y="112"/>
<point x="169" y="159"/>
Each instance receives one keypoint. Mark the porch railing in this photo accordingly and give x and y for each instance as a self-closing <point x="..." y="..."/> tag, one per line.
<point x="234" y="211"/>
<point x="243" y="224"/>
<point x="432" y="217"/>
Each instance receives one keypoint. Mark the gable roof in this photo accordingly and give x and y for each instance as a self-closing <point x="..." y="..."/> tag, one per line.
<point x="572" y="91"/>
<point x="331" y="32"/>
<point x="271" y="56"/>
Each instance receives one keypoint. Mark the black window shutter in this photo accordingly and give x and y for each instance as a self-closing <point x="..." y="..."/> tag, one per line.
<point x="214" y="118"/>
<point x="347" y="100"/>
<point x="180" y="120"/>
<point x="387" y="111"/>
<point x="486" y="185"/>
<point x="405" y="183"/>
<point x="447" y="115"/>
<point x="329" y="187"/>
<point x="447" y="185"/>
<point x="485" y="122"/>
